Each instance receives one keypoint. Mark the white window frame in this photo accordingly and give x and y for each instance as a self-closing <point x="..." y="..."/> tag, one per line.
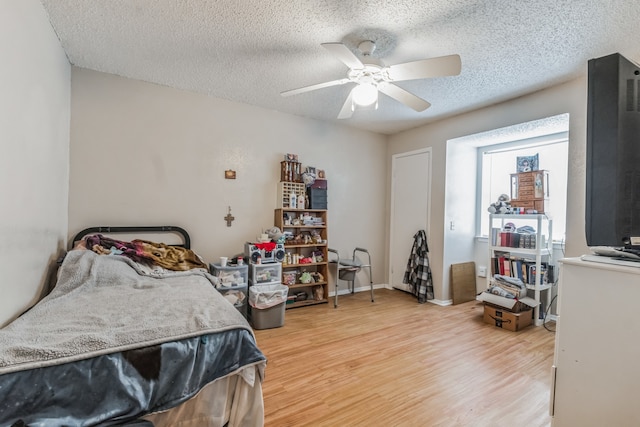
<point x="538" y="141"/>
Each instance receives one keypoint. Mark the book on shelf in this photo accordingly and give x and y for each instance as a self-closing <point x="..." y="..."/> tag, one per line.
<point x="533" y="273"/>
<point x="509" y="239"/>
<point x="506" y="266"/>
<point x="512" y="239"/>
<point x="497" y="262"/>
<point x="495" y="236"/>
<point x="547" y="274"/>
<point x="516" y="265"/>
<point x="524" y="269"/>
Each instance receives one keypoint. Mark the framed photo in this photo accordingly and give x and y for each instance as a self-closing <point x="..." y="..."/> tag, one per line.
<point x="311" y="169"/>
<point x="527" y="163"/>
<point x="321" y="173"/>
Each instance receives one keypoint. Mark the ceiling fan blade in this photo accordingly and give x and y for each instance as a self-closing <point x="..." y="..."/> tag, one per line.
<point x="403" y="96"/>
<point x="426" y="68"/>
<point x="345" y="55"/>
<point x="347" y="107"/>
<point x="314" y="87"/>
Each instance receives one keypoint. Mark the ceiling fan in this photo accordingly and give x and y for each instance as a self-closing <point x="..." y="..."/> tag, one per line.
<point x="372" y="76"/>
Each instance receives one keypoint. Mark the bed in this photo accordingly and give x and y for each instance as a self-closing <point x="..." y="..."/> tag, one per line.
<point x="120" y="340"/>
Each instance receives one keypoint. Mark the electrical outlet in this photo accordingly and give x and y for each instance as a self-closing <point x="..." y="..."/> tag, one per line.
<point x="482" y="271"/>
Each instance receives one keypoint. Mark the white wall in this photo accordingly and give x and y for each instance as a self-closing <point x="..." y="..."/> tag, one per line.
<point x="34" y="165"/>
<point x="570" y="97"/>
<point x="459" y="206"/>
<point x="143" y="154"/>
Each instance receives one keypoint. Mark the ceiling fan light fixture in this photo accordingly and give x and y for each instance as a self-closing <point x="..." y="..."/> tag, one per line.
<point x="365" y="94"/>
<point x="371" y="76"/>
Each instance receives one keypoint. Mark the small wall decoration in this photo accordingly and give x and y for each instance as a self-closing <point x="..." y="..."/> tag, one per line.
<point x="527" y="163"/>
<point x="229" y="218"/>
<point x="321" y="173"/>
<point x="230" y="174"/>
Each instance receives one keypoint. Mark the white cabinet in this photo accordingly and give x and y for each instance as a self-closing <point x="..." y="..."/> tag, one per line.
<point x="520" y="255"/>
<point x="597" y="352"/>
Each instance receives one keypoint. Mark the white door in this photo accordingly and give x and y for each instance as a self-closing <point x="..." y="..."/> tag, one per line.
<point x="410" y="208"/>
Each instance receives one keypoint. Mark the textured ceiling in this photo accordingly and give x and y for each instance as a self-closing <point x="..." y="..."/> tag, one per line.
<point x="251" y="50"/>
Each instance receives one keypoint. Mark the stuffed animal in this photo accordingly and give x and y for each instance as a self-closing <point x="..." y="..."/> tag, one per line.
<point x="502" y="206"/>
<point x="316" y="237"/>
<point x="275" y="235"/>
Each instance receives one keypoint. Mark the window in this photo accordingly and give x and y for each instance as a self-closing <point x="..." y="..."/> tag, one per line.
<point x="497" y="162"/>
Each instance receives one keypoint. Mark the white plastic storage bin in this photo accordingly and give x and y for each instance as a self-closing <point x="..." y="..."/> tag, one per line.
<point x="234" y="284"/>
<point x="238" y="296"/>
<point x="266" y="273"/>
<point x="230" y="276"/>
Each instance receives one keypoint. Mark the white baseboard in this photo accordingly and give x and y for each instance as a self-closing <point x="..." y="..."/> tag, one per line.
<point x="432" y="301"/>
<point x="440" y="302"/>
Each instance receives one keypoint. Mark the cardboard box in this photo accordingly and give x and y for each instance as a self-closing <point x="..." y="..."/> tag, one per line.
<point x="512" y="305"/>
<point x="507" y="320"/>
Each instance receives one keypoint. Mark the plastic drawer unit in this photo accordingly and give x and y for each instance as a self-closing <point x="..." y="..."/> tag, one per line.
<point x="233" y="285"/>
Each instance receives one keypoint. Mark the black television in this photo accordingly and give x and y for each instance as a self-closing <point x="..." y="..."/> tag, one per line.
<point x="612" y="214"/>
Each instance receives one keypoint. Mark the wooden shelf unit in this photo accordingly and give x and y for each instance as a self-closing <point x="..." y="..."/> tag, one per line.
<point x="304" y="249"/>
<point x="530" y="191"/>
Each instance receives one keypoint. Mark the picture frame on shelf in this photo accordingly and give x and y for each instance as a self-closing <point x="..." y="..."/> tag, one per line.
<point x="527" y="163"/>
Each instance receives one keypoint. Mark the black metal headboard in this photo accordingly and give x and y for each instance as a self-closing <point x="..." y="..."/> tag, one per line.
<point x="133" y="229"/>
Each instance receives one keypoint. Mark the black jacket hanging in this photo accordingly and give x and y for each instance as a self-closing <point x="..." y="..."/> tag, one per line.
<point x="418" y="273"/>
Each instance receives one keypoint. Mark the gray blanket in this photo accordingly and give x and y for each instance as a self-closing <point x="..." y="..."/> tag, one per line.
<point x="105" y="304"/>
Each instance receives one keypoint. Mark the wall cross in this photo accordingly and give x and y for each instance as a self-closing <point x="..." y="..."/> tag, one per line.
<point x="229" y="218"/>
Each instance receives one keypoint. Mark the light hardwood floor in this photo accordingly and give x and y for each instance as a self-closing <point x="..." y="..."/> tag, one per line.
<point x="399" y="363"/>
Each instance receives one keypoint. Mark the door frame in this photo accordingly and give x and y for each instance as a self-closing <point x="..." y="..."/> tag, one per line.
<point x="394" y="160"/>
